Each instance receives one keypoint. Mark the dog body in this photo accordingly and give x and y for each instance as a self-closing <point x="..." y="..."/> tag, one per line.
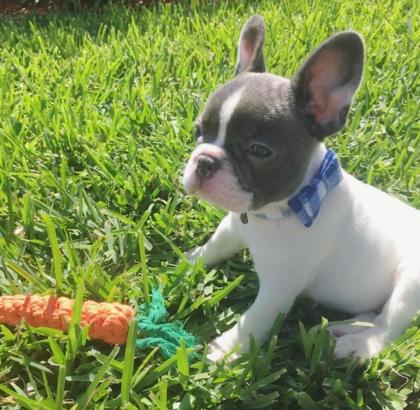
<point x="261" y="142"/>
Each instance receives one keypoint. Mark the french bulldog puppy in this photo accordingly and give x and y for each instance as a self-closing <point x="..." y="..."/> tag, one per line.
<point x="311" y="228"/>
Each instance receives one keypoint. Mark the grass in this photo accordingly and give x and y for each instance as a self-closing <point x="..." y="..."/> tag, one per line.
<point x="96" y="115"/>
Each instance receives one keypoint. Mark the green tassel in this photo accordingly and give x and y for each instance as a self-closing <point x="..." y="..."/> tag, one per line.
<point x="154" y="332"/>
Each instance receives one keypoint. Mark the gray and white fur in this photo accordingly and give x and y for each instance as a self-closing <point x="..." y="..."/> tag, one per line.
<point x="260" y="139"/>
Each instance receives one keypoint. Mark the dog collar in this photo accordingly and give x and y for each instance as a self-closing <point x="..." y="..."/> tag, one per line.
<point x="307" y="202"/>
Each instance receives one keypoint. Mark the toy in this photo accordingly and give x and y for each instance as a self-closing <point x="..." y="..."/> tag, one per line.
<point x="108" y="322"/>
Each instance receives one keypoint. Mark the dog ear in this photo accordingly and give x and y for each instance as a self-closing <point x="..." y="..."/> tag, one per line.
<point x="326" y="82"/>
<point x="250" y="46"/>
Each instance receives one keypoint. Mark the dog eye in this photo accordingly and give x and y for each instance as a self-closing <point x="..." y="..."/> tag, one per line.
<point x="259" y="151"/>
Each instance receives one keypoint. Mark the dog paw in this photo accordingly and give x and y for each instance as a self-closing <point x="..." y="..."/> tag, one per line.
<point x="362" y="346"/>
<point x="194" y="254"/>
<point x="338" y="330"/>
<point x="215" y="354"/>
<point x="358" y="324"/>
<point x="226" y="346"/>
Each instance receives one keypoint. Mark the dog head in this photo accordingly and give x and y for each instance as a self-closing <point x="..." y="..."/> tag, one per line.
<point x="257" y="133"/>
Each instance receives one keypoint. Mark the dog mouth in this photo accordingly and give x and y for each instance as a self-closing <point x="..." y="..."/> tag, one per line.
<point x="195" y="187"/>
<point x="241" y="182"/>
<point x="201" y="180"/>
<point x="222" y="188"/>
<point x="211" y="175"/>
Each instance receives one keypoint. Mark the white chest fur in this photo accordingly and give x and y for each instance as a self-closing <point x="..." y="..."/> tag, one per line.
<point x="349" y="257"/>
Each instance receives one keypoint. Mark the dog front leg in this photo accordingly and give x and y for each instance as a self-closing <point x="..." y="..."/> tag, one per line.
<point x="225" y="242"/>
<point x="272" y="299"/>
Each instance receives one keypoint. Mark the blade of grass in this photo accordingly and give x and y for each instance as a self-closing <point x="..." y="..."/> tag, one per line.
<point x="57" y="257"/>
<point x="144" y="271"/>
<point x="74" y="329"/>
<point x="221" y="294"/>
<point x="127" y="376"/>
<point x="61" y="385"/>
<point x="84" y="401"/>
<point x="22" y="399"/>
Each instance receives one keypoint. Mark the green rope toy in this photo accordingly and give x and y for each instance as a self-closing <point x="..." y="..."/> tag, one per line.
<point x="154" y="331"/>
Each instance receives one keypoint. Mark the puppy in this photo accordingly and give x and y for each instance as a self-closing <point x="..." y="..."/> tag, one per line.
<point x="311" y="228"/>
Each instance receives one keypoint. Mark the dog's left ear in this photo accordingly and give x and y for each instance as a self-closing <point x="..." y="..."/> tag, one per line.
<point x="250" y="46"/>
<point x="326" y="82"/>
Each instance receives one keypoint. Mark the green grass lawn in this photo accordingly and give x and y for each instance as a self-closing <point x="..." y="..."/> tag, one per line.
<point x="96" y="122"/>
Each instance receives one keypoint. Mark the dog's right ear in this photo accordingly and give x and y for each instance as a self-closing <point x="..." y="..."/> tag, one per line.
<point x="250" y="47"/>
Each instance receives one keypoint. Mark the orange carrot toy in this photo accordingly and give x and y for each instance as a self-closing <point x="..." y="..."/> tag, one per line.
<point x="108" y="322"/>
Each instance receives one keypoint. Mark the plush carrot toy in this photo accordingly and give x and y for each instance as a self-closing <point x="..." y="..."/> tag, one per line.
<point x="108" y="322"/>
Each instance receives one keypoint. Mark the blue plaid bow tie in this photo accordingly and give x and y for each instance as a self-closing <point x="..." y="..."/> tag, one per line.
<point x="307" y="202"/>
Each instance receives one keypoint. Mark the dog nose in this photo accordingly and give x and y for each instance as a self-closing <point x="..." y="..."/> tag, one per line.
<point x="206" y="166"/>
